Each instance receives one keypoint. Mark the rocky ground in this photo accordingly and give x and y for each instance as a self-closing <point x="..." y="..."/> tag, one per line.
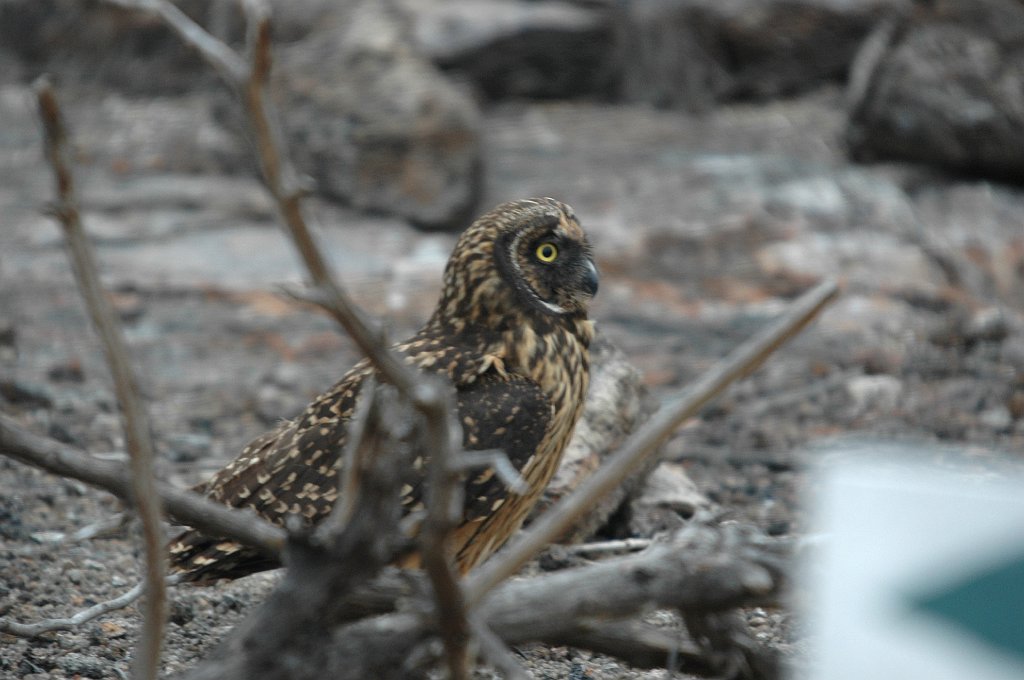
<point x="704" y="228"/>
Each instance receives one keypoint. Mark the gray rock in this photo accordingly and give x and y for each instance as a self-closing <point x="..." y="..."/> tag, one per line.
<point x="693" y="53"/>
<point x="513" y="48"/>
<point x="97" y="43"/>
<point x="78" y="664"/>
<point x="942" y="86"/>
<point x="668" y="498"/>
<point x="189" y="446"/>
<point x="376" y="124"/>
<point x="880" y="393"/>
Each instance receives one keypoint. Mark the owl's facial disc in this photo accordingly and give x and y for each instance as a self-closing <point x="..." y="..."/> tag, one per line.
<point x="551" y="264"/>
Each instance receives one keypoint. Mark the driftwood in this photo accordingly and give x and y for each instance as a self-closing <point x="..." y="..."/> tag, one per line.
<point x="339" y="611"/>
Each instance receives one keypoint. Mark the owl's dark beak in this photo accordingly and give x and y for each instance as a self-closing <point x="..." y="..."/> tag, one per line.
<point x="590" y="278"/>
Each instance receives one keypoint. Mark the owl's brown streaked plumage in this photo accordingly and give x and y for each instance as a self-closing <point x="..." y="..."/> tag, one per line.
<point x="511" y="333"/>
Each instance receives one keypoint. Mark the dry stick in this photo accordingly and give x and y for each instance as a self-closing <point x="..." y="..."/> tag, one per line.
<point x="136" y="427"/>
<point x="50" y="625"/>
<point x="278" y="173"/>
<point x="494" y="651"/>
<point x="229" y="65"/>
<point x="553" y="524"/>
<point x="435" y="534"/>
<point x="605" y="547"/>
<point x="282" y="181"/>
<point x="186" y="506"/>
<point x="497" y="460"/>
<point x="350" y="461"/>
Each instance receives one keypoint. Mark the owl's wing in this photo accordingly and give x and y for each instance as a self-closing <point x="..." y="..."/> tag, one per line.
<point x="506" y="413"/>
<point x="290" y="470"/>
<point x="511" y="414"/>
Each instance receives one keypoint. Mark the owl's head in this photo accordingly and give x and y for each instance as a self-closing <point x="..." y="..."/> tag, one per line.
<point x="529" y="255"/>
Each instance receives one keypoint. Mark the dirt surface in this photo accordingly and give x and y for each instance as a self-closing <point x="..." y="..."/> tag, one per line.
<point x="704" y="228"/>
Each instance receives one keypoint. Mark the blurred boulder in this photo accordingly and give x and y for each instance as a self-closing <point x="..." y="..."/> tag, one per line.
<point x="514" y="48"/>
<point x="96" y="43"/>
<point x="93" y="44"/>
<point x="944" y="86"/>
<point x="694" y="53"/>
<point x="375" y="124"/>
<point x="667" y="499"/>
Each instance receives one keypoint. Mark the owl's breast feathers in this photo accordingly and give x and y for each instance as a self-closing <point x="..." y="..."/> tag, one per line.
<point x="520" y="374"/>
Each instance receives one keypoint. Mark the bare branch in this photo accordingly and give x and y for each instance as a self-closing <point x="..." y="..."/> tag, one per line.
<point x="554" y="523"/>
<point x="212" y="518"/>
<point x="606" y="547"/>
<point x="50" y="625"/>
<point x="332" y="299"/>
<point x="494" y="651"/>
<point x="444" y="495"/>
<point x="138" y="437"/>
<point x="229" y="65"/>
<point x="352" y="461"/>
<point x="278" y="174"/>
<point x="498" y="461"/>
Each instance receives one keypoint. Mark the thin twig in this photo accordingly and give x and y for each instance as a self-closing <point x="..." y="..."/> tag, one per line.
<point x="494" y="651"/>
<point x="84" y="616"/>
<point x="50" y="625"/>
<point x="607" y="547"/>
<point x="108" y="526"/>
<point x="250" y="81"/>
<point x="332" y="299"/>
<point x="640" y="645"/>
<point x="211" y="518"/>
<point x="498" y="461"/>
<point x="278" y="173"/>
<point x="554" y="523"/>
<point x="138" y="438"/>
<point x="229" y="65"/>
<point x="350" y="461"/>
<point x="443" y="497"/>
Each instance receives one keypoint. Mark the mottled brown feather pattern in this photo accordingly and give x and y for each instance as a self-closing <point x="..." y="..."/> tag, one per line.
<point x="511" y="333"/>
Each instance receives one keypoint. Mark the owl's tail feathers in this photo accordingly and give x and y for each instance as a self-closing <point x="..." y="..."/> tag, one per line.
<point x="201" y="560"/>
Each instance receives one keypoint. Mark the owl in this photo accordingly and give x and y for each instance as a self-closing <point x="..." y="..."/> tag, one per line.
<point x="510" y="332"/>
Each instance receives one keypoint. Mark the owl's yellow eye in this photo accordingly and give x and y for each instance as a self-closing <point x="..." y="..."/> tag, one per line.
<point x="547" y="252"/>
